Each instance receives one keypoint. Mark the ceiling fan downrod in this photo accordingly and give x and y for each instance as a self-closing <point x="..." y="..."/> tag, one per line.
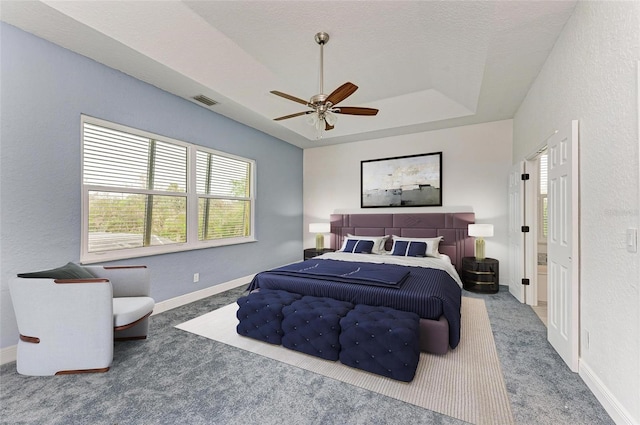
<point x="321" y="38"/>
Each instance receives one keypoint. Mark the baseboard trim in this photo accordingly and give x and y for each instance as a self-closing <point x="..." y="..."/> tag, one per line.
<point x="618" y="413"/>
<point x="181" y="300"/>
<point x="9" y="354"/>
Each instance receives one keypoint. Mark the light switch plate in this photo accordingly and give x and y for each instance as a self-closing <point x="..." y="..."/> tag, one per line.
<point x="632" y="240"/>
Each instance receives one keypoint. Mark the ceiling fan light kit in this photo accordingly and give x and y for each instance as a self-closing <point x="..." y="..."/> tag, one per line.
<point x="323" y="106"/>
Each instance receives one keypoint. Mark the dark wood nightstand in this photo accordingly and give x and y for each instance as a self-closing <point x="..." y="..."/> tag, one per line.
<point x="312" y="252"/>
<point x="480" y="275"/>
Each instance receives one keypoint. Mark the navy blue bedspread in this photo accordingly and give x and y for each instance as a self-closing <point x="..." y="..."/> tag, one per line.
<point x="428" y="292"/>
<point x="347" y="272"/>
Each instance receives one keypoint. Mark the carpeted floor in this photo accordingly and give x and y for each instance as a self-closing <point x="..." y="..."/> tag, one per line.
<point x="176" y="377"/>
<point x="453" y="385"/>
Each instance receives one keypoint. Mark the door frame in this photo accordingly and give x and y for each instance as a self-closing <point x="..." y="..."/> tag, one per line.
<point x="530" y="190"/>
<point x="531" y="212"/>
<point x="516" y="217"/>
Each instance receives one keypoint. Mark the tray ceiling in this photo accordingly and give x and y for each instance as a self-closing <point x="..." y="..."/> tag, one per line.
<point x="424" y="64"/>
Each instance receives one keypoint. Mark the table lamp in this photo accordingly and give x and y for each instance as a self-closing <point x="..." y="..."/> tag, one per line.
<point x="480" y="231"/>
<point x="319" y="229"/>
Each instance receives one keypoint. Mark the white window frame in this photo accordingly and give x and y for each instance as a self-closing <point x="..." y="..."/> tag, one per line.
<point x="192" y="242"/>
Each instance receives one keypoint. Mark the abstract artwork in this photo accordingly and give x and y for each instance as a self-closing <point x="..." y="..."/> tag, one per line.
<point x="405" y="181"/>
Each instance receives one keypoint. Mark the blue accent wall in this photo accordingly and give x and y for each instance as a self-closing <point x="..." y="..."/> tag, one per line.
<point x="44" y="89"/>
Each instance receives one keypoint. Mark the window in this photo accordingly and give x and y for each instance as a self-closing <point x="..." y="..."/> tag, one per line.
<point x="542" y="198"/>
<point x="145" y="194"/>
<point x="224" y="204"/>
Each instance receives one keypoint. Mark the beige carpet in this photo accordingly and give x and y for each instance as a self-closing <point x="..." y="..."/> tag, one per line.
<point x="466" y="383"/>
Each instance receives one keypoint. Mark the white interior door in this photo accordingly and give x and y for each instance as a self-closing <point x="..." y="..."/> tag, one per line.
<point x="563" y="244"/>
<point x="516" y="237"/>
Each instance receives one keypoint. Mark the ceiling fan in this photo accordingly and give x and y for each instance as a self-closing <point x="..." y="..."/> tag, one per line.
<point x="323" y="106"/>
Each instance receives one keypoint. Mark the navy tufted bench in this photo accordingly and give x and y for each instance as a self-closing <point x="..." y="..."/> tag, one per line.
<point x="311" y="325"/>
<point x="260" y="314"/>
<point x="381" y="340"/>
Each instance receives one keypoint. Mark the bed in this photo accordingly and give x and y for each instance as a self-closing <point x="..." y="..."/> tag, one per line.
<point x="427" y="284"/>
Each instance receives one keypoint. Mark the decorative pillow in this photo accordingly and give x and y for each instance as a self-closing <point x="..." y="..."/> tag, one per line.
<point x="68" y="271"/>
<point x="362" y="246"/>
<point x="378" y="242"/>
<point x="431" y="245"/>
<point x="409" y="249"/>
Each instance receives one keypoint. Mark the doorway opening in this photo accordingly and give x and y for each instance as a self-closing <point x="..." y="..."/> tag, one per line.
<point x="540" y="296"/>
<point x="563" y="255"/>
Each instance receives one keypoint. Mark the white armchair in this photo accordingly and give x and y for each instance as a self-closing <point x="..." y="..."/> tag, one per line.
<point x="68" y="325"/>
<point x="132" y="305"/>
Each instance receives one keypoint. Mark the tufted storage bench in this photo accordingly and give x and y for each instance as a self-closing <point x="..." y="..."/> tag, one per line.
<point x="381" y="340"/>
<point x="260" y="314"/>
<point x="311" y="325"/>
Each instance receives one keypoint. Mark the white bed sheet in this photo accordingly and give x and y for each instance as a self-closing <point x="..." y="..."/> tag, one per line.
<point x="442" y="263"/>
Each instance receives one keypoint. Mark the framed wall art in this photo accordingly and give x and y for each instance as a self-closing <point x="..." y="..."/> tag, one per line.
<point x="404" y="181"/>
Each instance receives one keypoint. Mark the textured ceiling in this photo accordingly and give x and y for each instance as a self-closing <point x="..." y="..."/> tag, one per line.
<point x="423" y="64"/>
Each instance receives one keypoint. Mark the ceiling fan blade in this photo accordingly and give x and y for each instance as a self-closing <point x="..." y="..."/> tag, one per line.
<point x="288" y="96"/>
<point x="327" y="127"/>
<point x="297" y="114"/>
<point x="341" y="93"/>
<point x="354" y="110"/>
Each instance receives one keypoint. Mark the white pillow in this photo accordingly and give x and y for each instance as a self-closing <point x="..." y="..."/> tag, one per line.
<point x="378" y="242"/>
<point x="445" y="257"/>
<point x="432" y="244"/>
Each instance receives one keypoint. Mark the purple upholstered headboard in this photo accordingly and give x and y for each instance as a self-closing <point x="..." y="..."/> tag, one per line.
<point x="456" y="243"/>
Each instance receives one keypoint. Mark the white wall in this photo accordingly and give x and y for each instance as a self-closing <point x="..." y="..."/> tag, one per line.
<point x="475" y="159"/>
<point x="591" y="75"/>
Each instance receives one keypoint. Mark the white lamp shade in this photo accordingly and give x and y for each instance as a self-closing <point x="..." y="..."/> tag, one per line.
<point x="330" y="118"/>
<point x="481" y="230"/>
<point x="319" y="227"/>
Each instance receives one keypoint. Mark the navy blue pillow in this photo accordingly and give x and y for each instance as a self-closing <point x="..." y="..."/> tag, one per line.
<point x="410" y="249"/>
<point x="358" y="246"/>
<point x="400" y="248"/>
<point x="417" y="249"/>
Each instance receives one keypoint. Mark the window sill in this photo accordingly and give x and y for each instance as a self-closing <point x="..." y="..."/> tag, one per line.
<point x="102" y="257"/>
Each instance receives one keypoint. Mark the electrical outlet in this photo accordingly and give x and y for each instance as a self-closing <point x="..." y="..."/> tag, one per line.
<point x="196" y="277"/>
<point x="632" y="240"/>
<point x="586" y="340"/>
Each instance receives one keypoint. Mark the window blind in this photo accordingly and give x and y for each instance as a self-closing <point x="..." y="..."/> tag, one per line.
<point x="544" y="217"/>
<point x="137" y="191"/>
<point x="120" y="162"/>
<point x="224" y="206"/>
<point x="543" y="174"/>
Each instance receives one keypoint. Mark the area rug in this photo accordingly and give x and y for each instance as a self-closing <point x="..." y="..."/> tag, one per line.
<point x="466" y="383"/>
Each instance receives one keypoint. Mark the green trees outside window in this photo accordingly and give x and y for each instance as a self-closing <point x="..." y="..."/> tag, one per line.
<point x="138" y="193"/>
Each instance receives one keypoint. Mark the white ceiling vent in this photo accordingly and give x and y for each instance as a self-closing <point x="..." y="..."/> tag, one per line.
<point x="204" y="99"/>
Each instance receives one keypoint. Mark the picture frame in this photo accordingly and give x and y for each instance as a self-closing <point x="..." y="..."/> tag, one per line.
<point x="402" y="181"/>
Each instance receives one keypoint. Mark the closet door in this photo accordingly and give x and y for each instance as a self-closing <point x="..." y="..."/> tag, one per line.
<point x="563" y="261"/>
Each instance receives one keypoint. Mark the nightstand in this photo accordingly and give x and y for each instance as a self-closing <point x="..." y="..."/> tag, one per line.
<point x="480" y="275"/>
<point x="312" y="252"/>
